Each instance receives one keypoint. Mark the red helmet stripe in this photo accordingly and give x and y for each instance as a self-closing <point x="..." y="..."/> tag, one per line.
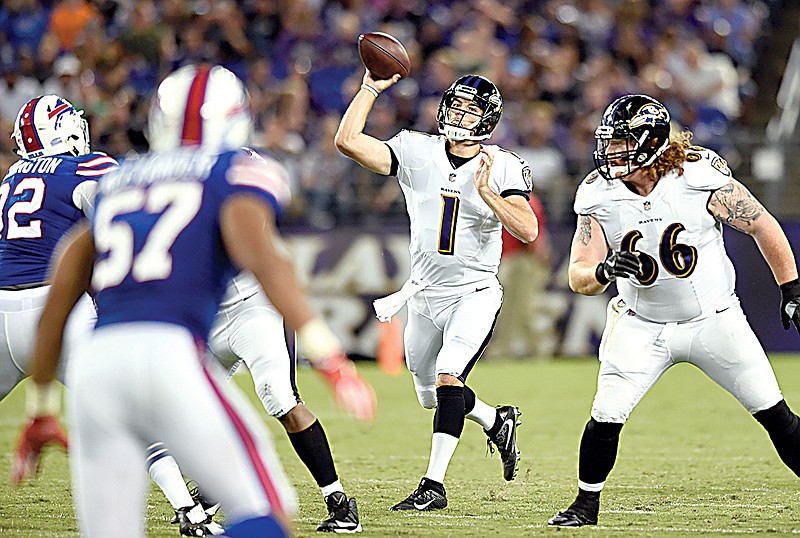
<point x="60" y="108"/>
<point x="192" y="133"/>
<point x="30" y="138"/>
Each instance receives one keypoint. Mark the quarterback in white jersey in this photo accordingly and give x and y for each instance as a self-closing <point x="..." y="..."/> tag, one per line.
<point x="459" y="194"/>
<point x="649" y="218"/>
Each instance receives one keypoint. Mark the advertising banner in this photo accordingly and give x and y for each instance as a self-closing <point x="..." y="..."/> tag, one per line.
<point x="346" y="269"/>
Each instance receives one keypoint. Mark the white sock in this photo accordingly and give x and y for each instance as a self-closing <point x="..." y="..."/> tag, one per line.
<point x="331" y="488"/>
<point x="443" y="446"/>
<point x="483" y="413"/>
<point x="167" y="475"/>
<point x="591" y="487"/>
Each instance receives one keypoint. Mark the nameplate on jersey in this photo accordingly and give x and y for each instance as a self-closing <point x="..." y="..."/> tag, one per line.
<point x="45" y="165"/>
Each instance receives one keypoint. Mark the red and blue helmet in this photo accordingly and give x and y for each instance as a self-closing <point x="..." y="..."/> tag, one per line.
<point x="200" y="105"/>
<point x="49" y="125"/>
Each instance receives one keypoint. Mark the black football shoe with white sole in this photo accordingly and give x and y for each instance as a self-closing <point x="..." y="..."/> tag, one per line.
<point x="429" y="495"/>
<point x="342" y="515"/>
<point x="506" y="440"/>
<point x="582" y="512"/>
<point x="193" y="521"/>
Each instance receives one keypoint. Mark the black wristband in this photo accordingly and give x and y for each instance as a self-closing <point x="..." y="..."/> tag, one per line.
<point x="789" y="285"/>
<point x="600" y="275"/>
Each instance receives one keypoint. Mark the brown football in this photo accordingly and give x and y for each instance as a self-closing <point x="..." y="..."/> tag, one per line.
<point x="383" y="55"/>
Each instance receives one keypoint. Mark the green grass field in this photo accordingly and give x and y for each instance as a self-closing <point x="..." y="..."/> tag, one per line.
<point x="692" y="462"/>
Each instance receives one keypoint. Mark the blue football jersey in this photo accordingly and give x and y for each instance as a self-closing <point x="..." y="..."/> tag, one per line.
<point x="156" y="229"/>
<point x="39" y="204"/>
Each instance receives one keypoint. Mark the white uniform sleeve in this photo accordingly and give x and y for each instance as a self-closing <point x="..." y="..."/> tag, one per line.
<point x="399" y="144"/>
<point x="253" y="170"/>
<point x="705" y="170"/>
<point x="588" y="198"/>
<point x="83" y="196"/>
<point x="510" y="173"/>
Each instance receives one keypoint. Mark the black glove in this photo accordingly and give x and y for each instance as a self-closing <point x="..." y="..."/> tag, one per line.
<point x="617" y="264"/>
<point x="790" y="304"/>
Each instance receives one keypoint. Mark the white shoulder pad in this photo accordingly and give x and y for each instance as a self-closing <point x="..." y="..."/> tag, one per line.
<point x="516" y="171"/>
<point x="590" y="194"/>
<point x="412" y="146"/>
<point x="704" y="170"/>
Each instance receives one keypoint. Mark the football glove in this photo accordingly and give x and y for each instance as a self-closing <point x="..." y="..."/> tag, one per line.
<point x="353" y="394"/>
<point x="617" y="264"/>
<point x="321" y="347"/>
<point x="37" y="433"/>
<point x="790" y="304"/>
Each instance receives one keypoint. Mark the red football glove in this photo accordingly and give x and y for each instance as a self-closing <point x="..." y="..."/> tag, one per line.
<point x="352" y="392"/>
<point x="37" y="433"/>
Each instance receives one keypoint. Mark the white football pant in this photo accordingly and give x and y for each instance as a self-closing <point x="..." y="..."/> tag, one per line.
<point x="19" y="319"/>
<point x="136" y="382"/>
<point x="635" y="353"/>
<point x="252" y="331"/>
<point x="448" y="329"/>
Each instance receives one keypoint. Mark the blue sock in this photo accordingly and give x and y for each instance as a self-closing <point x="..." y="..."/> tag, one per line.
<point x="257" y="527"/>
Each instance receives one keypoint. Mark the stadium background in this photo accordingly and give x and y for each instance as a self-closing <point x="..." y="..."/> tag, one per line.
<point x="724" y="68"/>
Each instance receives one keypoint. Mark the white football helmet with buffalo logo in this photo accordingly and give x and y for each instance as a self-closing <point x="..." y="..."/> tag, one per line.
<point x="49" y="125"/>
<point x="200" y="105"/>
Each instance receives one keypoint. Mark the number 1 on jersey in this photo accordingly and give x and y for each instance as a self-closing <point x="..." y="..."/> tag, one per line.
<point x="447" y="226"/>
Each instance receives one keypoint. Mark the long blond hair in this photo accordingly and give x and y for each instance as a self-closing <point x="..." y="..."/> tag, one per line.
<point x="673" y="157"/>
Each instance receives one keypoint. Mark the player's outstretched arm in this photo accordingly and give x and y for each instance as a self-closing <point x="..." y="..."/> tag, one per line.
<point x="735" y="206"/>
<point x="350" y="139"/>
<point x="248" y="232"/>
<point x="70" y="279"/>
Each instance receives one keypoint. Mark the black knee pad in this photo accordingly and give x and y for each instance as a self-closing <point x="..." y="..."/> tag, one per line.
<point x="469" y="400"/>
<point x="449" y="417"/>
<point x="603" y="430"/>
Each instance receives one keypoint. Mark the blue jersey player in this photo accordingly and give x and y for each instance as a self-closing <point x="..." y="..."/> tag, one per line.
<point x="43" y="194"/>
<point x="169" y="231"/>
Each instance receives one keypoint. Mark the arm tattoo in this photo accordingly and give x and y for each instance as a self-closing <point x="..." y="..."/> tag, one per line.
<point x="584" y="234"/>
<point x="734" y="205"/>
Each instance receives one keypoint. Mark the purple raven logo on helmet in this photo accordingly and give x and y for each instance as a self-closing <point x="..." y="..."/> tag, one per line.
<point x="649" y="114"/>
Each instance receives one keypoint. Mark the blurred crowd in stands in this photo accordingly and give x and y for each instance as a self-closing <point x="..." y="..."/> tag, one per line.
<point x="558" y="63"/>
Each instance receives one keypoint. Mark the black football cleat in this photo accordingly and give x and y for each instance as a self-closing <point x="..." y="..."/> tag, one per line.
<point x="583" y="511"/>
<point x="429" y="495"/>
<point x="342" y="515"/>
<point x="571" y="518"/>
<point x="193" y="521"/>
<point x="210" y="507"/>
<point x="506" y="440"/>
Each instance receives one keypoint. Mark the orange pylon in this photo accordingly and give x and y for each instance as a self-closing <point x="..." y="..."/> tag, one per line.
<point x="390" y="346"/>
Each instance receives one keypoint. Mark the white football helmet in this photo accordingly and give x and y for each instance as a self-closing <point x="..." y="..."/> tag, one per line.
<point x="200" y="105"/>
<point x="49" y="125"/>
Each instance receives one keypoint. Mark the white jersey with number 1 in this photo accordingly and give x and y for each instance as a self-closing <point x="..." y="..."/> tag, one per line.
<point x="455" y="236"/>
